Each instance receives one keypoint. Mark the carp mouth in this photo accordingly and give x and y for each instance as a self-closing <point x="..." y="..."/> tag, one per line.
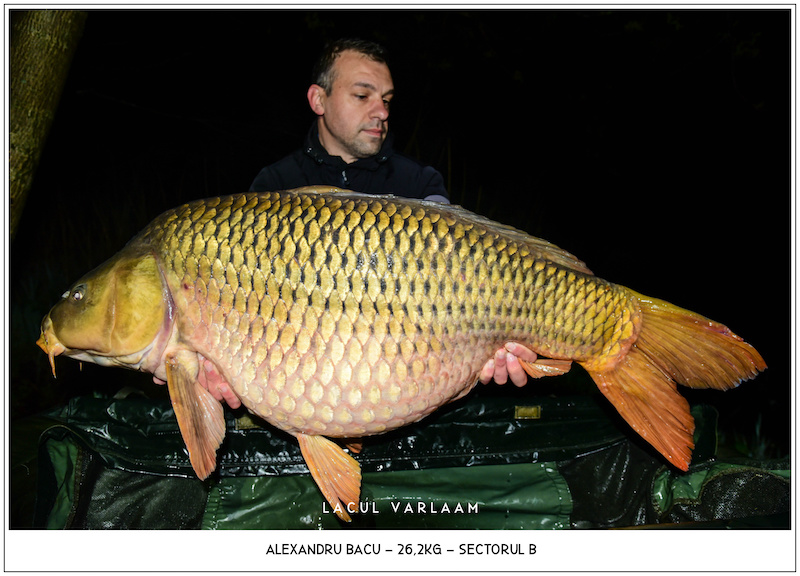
<point x="121" y="314"/>
<point x="136" y="360"/>
<point x="49" y="343"/>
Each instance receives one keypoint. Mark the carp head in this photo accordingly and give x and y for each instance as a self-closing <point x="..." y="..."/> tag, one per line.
<point x="114" y="316"/>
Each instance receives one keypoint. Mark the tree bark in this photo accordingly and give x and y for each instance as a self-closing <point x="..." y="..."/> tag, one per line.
<point x="42" y="44"/>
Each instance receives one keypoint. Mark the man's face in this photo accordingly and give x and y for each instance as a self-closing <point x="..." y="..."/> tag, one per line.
<point x="354" y="116"/>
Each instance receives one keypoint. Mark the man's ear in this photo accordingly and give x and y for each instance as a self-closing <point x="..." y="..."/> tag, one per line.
<point x="316" y="99"/>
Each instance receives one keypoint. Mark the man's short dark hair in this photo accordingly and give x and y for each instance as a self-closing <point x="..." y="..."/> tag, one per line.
<point x="323" y="73"/>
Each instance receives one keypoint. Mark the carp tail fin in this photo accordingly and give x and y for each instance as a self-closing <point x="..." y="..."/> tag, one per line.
<point x="648" y="399"/>
<point x="674" y="346"/>
<point x="695" y="351"/>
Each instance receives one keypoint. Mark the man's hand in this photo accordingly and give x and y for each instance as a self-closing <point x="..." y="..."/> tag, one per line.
<point x="505" y="365"/>
<point x="213" y="381"/>
<point x="210" y="379"/>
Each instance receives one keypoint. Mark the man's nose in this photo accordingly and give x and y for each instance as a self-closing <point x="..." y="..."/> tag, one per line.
<point x="380" y="110"/>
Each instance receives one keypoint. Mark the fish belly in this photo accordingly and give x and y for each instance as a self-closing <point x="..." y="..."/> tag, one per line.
<point x="346" y="315"/>
<point x="353" y="379"/>
<point x="357" y="389"/>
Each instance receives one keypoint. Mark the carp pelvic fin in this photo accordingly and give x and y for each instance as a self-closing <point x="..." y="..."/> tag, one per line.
<point x="674" y="346"/>
<point x="201" y="418"/>
<point x="354" y="445"/>
<point x="337" y="474"/>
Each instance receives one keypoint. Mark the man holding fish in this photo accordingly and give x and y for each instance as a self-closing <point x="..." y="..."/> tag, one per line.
<point x="334" y="314"/>
<point x="349" y="146"/>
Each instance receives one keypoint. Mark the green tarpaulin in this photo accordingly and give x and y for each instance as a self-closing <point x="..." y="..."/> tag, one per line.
<point x="483" y="463"/>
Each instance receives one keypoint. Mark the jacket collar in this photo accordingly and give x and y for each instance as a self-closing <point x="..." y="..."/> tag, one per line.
<point x="314" y="150"/>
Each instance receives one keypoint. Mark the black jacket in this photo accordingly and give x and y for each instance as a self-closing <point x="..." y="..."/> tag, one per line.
<point x="385" y="173"/>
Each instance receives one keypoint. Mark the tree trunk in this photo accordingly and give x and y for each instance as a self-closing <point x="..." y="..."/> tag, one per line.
<point x="42" y="43"/>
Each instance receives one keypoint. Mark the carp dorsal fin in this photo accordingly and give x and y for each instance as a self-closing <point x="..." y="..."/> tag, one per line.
<point x="318" y="189"/>
<point x="201" y="418"/>
<point x="538" y="247"/>
<point x="337" y="474"/>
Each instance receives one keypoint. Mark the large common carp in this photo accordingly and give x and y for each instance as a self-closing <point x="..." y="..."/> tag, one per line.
<point x="333" y="314"/>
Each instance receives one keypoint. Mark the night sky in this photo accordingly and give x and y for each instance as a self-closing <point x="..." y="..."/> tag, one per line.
<point x="653" y="145"/>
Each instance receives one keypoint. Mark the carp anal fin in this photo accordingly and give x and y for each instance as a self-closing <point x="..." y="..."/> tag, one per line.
<point x="674" y="346"/>
<point x="337" y="474"/>
<point x="545" y="367"/>
<point x="201" y="418"/>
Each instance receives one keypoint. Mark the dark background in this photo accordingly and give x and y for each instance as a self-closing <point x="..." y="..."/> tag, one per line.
<point x="654" y="145"/>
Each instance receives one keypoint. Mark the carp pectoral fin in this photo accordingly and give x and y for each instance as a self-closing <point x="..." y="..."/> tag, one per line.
<point x="649" y="401"/>
<point x="546" y="367"/>
<point x="201" y="418"/>
<point x="337" y="474"/>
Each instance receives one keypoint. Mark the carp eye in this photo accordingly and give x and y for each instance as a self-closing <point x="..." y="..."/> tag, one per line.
<point x="77" y="293"/>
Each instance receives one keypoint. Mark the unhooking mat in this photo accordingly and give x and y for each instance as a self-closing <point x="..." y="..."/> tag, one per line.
<point x="482" y="463"/>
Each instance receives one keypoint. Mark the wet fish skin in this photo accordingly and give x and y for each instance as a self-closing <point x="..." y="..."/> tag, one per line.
<point x="359" y="314"/>
<point x="343" y="315"/>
